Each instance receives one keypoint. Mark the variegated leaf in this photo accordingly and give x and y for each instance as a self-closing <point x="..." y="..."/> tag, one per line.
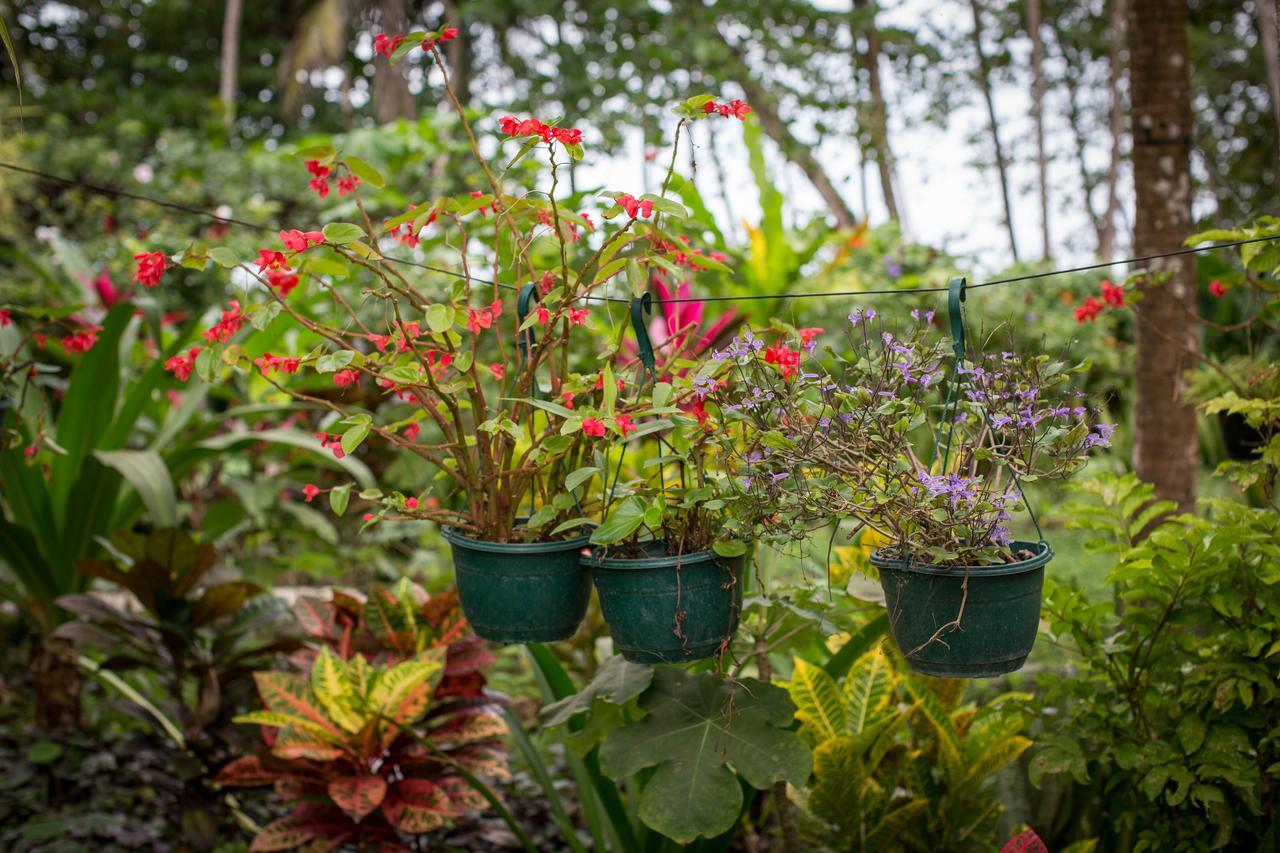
<point x="392" y="620"/>
<point x="293" y="744"/>
<point x="330" y="685"/>
<point x="284" y="834"/>
<point x="418" y="805"/>
<point x="469" y="729"/>
<point x="247" y="772"/>
<point x="358" y="796"/>
<point x="278" y="720"/>
<point x="818" y="706"/>
<point x="290" y="694"/>
<point x="396" y="686"/>
<point x="837" y="777"/>
<point x="868" y="689"/>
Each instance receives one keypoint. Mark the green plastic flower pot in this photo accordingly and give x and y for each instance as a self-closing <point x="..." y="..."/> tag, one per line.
<point x="516" y="592"/>
<point x="663" y="609"/>
<point x="997" y="628"/>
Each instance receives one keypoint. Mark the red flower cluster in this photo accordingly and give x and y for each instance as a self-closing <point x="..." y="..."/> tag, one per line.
<point x="788" y="360"/>
<point x="347" y="377"/>
<point x="624" y="424"/>
<point x="578" y="316"/>
<point x="230" y="323"/>
<point x="734" y="109"/>
<point x="320" y="179"/>
<point x="1217" y="288"/>
<point x="447" y="34"/>
<point x="333" y="442"/>
<point x="299" y="241"/>
<point x="269" y="363"/>
<point x="513" y="126"/>
<point x="282" y="280"/>
<point x="635" y="209"/>
<point x="483" y="319"/>
<point x="347" y="184"/>
<point x="151" y="266"/>
<point x="1112" y="296"/>
<point x="82" y="340"/>
<point x="270" y="259"/>
<point x="593" y="426"/>
<point x="686" y="256"/>
<point x="182" y="365"/>
<point x="385" y="45"/>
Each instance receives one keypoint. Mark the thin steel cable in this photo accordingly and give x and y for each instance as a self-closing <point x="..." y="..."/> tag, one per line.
<point x="258" y="226"/>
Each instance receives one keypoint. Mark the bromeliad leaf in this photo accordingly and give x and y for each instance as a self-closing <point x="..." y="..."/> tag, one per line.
<point x="698" y="731"/>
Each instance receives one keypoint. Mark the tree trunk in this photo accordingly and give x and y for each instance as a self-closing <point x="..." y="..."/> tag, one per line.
<point x="984" y="82"/>
<point x="1269" y="33"/>
<point x="391" y="96"/>
<point x="1037" y="115"/>
<point x="879" y="118"/>
<point x="1164" y="447"/>
<point x="56" y="680"/>
<point x="458" y="53"/>
<point x="1088" y="183"/>
<point x="762" y="104"/>
<point x="1115" y="61"/>
<point x="228" y="73"/>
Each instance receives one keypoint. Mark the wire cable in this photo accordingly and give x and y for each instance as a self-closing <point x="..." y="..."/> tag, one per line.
<point x="746" y="297"/>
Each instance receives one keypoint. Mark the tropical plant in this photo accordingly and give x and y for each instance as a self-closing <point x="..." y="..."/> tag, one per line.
<point x="898" y="761"/>
<point x="1170" y="710"/>
<point x="201" y="640"/>
<point x="362" y="753"/>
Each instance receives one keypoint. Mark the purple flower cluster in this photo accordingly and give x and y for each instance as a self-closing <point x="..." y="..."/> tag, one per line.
<point x="957" y="489"/>
<point x="744" y="344"/>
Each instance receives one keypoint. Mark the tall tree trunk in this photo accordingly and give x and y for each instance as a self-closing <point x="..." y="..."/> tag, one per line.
<point x="229" y="72"/>
<point x="1116" y="68"/>
<point x="458" y="52"/>
<point x="1269" y="33"/>
<point x="1037" y="115"/>
<point x="57" y="680"/>
<point x="984" y="82"/>
<point x="1088" y="182"/>
<point x="879" y="118"/>
<point x="797" y="152"/>
<point x="391" y="96"/>
<point x="1164" y="447"/>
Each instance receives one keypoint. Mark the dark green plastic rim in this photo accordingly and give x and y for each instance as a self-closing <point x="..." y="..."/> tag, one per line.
<point x="1043" y="554"/>
<point x="457" y="537"/>
<point x="639" y="563"/>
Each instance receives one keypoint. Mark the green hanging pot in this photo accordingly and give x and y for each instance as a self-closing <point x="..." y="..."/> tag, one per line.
<point x="517" y="592"/>
<point x="663" y="609"/>
<point x="996" y="629"/>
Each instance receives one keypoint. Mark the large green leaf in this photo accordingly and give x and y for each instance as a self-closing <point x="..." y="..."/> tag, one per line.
<point x="146" y="472"/>
<point x="617" y="682"/>
<point x="698" y="731"/>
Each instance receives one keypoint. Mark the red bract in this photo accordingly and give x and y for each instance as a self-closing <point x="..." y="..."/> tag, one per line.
<point x="411" y="431"/>
<point x="513" y="126"/>
<point x="385" y="45"/>
<point x="593" y="426"/>
<point x="309" y="492"/>
<point x="346" y="377"/>
<point x="82" y="340"/>
<point x="269" y="363"/>
<point x="733" y="109"/>
<point x="151" y="266"/>
<point x="784" y="357"/>
<point x="624" y="425"/>
<point x="1089" y="311"/>
<point x="230" y="323"/>
<point x="333" y="442"/>
<point x="298" y="241"/>
<point x="347" y="184"/>
<point x="578" y="316"/>
<point x="1112" y="294"/>
<point x="182" y="365"/>
<point x="634" y="207"/>
<point x="1217" y="288"/>
<point x="282" y="281"/>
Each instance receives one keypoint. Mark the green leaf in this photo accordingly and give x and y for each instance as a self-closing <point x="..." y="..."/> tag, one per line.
<point x="617" y="682"/>
<point x="1191" y="732"/>
<point x="354" y="437"/>
<point x="316" y="152"/>
<point x="440" y="318"/>
<point x="224" y="257"/>
<point x="146" y="472"/>
<point x="343" y="232"/>
<point x="624" y="520"/>
<point x="698" y="731"/>
<point x="339" y="497"/>
<point x="364" y="171"/>
<point x="580" y="476"/>
<point x="729" y="547"/>
<point x="334" y="361"/>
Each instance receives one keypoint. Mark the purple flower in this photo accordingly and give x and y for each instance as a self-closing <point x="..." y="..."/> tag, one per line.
<point x="704" y="387"/>
<point x="1001" y="535"/>
<point x="1000" y="420"/>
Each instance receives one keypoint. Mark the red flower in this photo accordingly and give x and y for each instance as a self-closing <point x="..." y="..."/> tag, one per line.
<point x="269" y="363"/>
<point x="347" y="184"/>
<point x="700" y="412"/>
<point x="567" y="396"/>
<point x="151" y="266"/>
<point x="477" y="320"/>
<point x="1112" y="294"/>
<point x="182" y="365"/>
<point x="232" y="320"/>
<point x="29" y="451"/>
<point x="82" y="340"/>
<point x="298" y="241"/>
<point x="634" y="207"/>
<point x="321" y="187"/>
<point x="282" y="280"/>
<point x="411" y="431"/>
<point x="544" y="316"/>
<point x="513" y="126"/>
<point x="1089" y="311"/>
<point x="270" y="259"/>
<point x="385" y="45"/>
<point x="6" y="317"/>
<point x="318" y="169"/>
<point x="807" y="335"/>
<point x="498" y="371"/>
<point x="593" y="426"/>
<point x="1217" y="288"/>
<point x="309" y="492"/>
<point x="734" y="109"/>
<point x="495" y="307"/>
<point x="411" y="503"/>
<point x="346" y="377"/>
<point x="624" y="425"/>
<point x="333" y="442"/>
<point x="106" y="289"/>
<point x="586" y="217"/>
<point x="548" y="281"/>
<point x="448" y="34"/>
<point x="787" y="360"/>
<point x="578" y="316"/>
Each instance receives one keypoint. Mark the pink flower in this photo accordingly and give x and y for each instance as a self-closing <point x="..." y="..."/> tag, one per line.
<point x="1112" y="294"/>
<point x="567" y="396"/>
<point x="634" y="207"/>
<point x="107" y="292"/>
<point x="578" y="316"/>
<point x="593" y="426"/>
<point x="283" y="281"/>
<point x="544" y="316"/>
<point x="346" y="377"/>
<point x="347" y="184"/>
<point x="309" y="492"/>
<point x="6" y="317"/>
<point x="298" y="241"/>
<point x="29" y="451"/>
<point x="269" y="363"/>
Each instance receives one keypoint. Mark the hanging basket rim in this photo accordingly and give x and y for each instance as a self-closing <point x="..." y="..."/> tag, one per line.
<point x="1042" y="553"/>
